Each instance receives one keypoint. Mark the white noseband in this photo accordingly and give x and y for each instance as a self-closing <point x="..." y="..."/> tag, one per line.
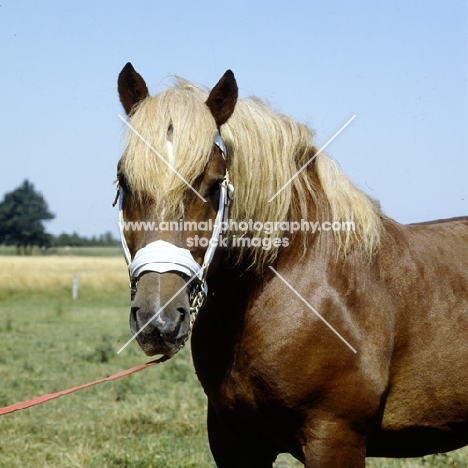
<point x="161" y="256"/>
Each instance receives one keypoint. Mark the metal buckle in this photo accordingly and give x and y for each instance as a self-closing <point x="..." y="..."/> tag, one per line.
<point x="133" y="288"/>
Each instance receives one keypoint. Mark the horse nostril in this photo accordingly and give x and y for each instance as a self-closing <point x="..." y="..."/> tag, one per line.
<point x="182" y="313"/>
<point x="134" y="311"/>
<point x="133" y="317"/>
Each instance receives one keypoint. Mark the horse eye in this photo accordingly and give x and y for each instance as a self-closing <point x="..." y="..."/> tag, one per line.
<point x="213" y="190"/>
<point x="122" y="180"/>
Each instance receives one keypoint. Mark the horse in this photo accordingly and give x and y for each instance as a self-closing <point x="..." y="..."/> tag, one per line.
<point x="331" y="344"/>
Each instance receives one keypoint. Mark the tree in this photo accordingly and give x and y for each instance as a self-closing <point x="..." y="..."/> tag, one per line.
<point x="22" y="213"/>
<point x="75" y="240"/>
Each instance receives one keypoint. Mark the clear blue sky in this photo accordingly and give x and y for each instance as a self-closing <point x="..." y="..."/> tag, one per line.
<point x="400" y="66"/>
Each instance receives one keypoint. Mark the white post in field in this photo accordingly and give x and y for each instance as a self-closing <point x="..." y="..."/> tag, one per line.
<point x="75" y="286"/>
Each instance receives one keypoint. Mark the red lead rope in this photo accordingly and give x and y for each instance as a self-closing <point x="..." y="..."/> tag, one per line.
<point x="51" y="396"/>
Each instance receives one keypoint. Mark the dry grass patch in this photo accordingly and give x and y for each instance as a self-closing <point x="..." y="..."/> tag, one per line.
<point x="41" y="273"/>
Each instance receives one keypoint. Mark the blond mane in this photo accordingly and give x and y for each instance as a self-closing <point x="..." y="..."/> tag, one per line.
<point x="265" y="150"/>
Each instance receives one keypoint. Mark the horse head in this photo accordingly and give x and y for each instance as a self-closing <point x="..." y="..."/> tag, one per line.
<point x="172" y="175"/>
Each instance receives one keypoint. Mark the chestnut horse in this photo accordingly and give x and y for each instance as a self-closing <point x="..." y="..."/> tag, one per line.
<point x="325" y="329"/>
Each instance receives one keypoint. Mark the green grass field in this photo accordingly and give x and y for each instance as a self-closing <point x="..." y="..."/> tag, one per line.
<point x="48" y="342"/>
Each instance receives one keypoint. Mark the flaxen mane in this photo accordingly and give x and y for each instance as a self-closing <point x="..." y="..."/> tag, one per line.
<point x="265" y="151"/>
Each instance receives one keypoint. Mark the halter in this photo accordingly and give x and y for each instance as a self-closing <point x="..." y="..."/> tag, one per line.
<point x="161" y="256"/>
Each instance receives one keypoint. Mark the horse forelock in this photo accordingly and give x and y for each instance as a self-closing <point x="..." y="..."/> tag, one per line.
<point x="265" y="152"/>
<point x="168" y="145"/>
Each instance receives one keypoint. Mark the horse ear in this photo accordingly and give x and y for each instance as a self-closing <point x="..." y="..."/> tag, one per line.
<point x="132" y="87"/>
<point x="223" y="97"/>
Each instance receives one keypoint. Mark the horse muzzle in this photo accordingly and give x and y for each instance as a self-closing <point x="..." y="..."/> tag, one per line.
<point x="160" y="313"/>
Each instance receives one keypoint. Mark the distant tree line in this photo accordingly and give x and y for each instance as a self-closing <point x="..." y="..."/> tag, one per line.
<point x="75" y="240"/>
<point x="23" y="212"/>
